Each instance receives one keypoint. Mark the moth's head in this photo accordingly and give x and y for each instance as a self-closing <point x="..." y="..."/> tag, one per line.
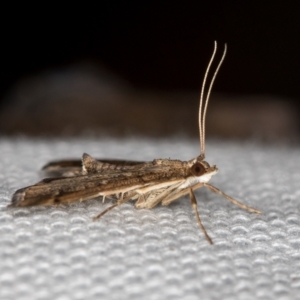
<point x="201" y="169"/>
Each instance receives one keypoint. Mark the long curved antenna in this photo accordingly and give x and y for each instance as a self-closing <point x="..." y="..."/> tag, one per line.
<point x="208" y="95"/>
<point x="202" y="145"/>
<point x="202" y="115"/>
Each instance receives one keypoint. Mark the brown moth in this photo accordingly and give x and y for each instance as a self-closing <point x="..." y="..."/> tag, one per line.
<point x="148" y="183"/>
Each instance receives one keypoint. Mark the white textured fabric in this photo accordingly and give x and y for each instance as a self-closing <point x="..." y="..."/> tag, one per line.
<point x="60" y="253"/>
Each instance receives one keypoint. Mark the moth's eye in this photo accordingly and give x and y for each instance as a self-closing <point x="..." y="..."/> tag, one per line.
<point x="197" y="169"/>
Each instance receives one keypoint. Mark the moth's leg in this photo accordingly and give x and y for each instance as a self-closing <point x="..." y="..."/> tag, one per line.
<point x="144" y="201"/>
<point x="121" y="201"/>
<point x="149" y="204"/>
<point x="121" y="197"/>
<point x="194" y="205"/>
<point x="153" y="202"/>
<point x="105" y="211"/>
<point x="150" y="199"/>
<point x="239" y="204"/>
<point x="177" y="193"/>
<point x="140" y="203"/>
<point x="174" y="196"/>
<point x="162" y="195"/>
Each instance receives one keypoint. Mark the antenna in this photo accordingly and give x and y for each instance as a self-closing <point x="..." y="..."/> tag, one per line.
<point x="202" y="112"/>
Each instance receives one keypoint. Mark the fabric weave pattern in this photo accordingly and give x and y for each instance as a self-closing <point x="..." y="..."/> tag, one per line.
<point x="60" y="253"/>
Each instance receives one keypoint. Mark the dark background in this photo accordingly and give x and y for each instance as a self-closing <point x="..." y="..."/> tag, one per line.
<point x="161" y="46"/>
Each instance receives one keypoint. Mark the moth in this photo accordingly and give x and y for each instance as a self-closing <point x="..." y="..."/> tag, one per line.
<point x="148" y="183"/>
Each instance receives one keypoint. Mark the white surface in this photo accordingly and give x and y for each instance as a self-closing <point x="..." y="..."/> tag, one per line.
<point x="60" y="253"/>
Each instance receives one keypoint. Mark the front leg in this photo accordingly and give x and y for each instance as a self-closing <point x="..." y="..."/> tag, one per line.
<point x="194" y="205"/>
<point x="239" y="204"/>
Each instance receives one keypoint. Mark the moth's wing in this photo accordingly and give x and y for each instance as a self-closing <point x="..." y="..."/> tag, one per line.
<point x="53" y="191"/>
<point x="91" y="165"/>
<point x="65" y="168"/>
<point x="68" y="168"/>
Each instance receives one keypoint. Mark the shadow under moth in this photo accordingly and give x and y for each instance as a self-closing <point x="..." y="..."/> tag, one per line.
<point x="147" y="183"/>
